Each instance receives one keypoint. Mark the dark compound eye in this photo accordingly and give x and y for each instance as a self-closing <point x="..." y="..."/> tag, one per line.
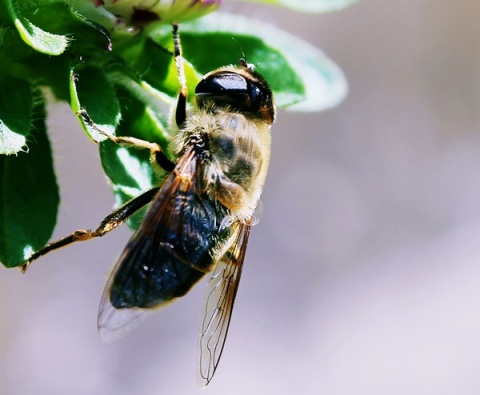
<point x="226" y="88"/>
<point x="223" y="84"/>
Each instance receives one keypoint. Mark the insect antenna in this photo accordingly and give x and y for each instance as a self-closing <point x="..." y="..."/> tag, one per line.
<point x="243" y="60"/>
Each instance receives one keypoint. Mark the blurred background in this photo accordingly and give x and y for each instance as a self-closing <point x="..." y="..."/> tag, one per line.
<point x="363" y="276"/>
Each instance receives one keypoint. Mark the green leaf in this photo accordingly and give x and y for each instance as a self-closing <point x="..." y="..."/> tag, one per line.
<point x="300" y="75"/>
<point x="130" y="170"/>
<point x="90" y="90"/>
<point x="84" y="36"/>
<point x="88" y="41"/>
<point x="16" y="105"/>
<point x="37" y="38"/>
<point x="28" y="196"/>
<point x="19" y="60"/>
<point x="143" y="116"/>
<point x="153" y="59"/>
<point x="317" y="6"/>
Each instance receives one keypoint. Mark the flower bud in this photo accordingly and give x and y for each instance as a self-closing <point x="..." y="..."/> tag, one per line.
<point x="141" y="12"/>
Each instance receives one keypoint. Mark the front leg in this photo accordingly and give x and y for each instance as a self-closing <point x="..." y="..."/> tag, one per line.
<point x="181" y="110"/>
<point x="110" y="222"/>
<point x="156" y="151"/>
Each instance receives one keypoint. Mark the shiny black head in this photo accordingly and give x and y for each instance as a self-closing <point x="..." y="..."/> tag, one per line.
<point x="241" y="90"/>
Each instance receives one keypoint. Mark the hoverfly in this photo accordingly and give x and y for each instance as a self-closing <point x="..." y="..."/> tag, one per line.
<point x="200" y="217"/>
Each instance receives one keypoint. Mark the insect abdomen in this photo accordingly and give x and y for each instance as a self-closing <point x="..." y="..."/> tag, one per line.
<point x="182" y="251"/>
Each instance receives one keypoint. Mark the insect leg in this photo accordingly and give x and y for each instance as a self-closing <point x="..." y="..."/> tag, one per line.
<point x="181" y="110"/>
<point x="118" y="217"/>
<point x="155" y="150"/>
<point x="121" y="140"/>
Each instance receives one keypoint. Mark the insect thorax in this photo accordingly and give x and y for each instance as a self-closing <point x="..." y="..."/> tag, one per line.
<point x="235" y="152"/>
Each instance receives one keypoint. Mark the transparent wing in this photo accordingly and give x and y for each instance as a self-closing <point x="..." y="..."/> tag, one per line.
<point x="218" y="305"/>
<point x="114" y="323"/>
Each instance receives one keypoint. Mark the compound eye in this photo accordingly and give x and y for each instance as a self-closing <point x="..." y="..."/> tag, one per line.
<point x="223" y="84"/>
<point x="234" y="91"/>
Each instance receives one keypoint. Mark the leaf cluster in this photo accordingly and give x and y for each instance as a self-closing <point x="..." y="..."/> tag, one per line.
<point x="126" y="79"/>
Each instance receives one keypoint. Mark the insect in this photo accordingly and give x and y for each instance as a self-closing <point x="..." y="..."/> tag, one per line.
<point x="200" y="218"/>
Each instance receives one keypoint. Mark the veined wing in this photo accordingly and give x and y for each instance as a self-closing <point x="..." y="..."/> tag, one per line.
<point x="218" y="305"/>
<point x="166" y="256"/>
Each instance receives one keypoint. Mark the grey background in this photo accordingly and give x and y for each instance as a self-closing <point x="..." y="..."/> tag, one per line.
<point x="363" y="276"/>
